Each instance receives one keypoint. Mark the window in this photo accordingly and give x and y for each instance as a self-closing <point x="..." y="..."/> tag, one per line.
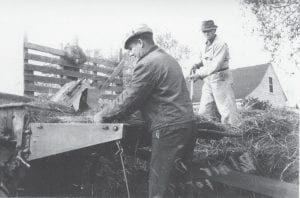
<point x="271" y="84"/>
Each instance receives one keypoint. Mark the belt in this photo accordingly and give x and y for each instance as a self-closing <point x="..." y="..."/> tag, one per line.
<point x="222" y="69"/>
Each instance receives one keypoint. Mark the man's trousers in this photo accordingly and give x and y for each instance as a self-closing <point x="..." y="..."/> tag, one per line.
<point x="217" y="94"/>
<point x="172" y="150"/>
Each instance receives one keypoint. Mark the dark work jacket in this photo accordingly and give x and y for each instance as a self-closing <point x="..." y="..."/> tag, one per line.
<point x="158" y="89"/>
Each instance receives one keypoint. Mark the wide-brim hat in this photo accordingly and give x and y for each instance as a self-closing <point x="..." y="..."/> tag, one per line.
<point x="142" y="29"/>
<point x="208" y="25"/>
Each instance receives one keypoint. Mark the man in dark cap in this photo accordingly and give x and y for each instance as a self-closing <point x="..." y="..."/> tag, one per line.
<point x="213" y="69"/>
<point x="159" y="91"/>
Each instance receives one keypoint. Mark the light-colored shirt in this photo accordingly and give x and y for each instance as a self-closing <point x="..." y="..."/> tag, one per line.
<point x="214" y="57"/>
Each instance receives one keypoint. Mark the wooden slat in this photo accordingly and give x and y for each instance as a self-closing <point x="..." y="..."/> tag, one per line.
<point x="45" y="79"/>
<point x="45" y="105"/>
<point x="61" y="81"/>
<point x="61" y="53"/>
<point x="94" y="68"/>
<point x="117" y="81"/>
<point x="25" y="52"/>
<point x="15" y="98"/>
<point x="51" y="70"/>
<point x="261" y="185"/>
<point x="113" y="76"/>
<point x="53" y="60"/>
<point x="98" y="66"/>
<point x="44" y="49"/>
<point x="102" y="61"/>
<point x="40" y="89"/>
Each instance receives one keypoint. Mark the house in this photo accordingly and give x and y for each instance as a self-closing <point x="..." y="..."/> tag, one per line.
<point x="259" y="81"/>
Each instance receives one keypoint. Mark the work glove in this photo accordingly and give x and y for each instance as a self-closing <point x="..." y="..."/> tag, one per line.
<point x="197" y="66"/>
<point x="98" y="117"/>
<point x="101" y="116"/>
<point x="194" y="77"/>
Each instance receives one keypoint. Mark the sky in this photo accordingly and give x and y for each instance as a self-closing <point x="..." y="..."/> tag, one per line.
<point x="103" y="25"/>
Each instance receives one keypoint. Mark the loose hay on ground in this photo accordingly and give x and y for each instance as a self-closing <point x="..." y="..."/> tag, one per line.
<point x="269" y="142"/>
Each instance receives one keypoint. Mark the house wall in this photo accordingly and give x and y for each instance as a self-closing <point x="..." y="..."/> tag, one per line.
<point x="277" y="97"/>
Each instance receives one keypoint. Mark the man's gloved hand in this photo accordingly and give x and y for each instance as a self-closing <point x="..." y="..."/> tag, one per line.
<point x="98" y="117"/>
<point x="194" y="77"/>
<point x="197" y="66"/>
<point x="194" y="67"/>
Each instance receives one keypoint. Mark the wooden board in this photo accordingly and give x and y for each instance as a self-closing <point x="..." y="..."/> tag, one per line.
<point x="43" y="49"/>
<point x="53" y="138"/>
<point x="40" y="89"/>
<point x="52" y="80"/>
<point x="51" y="70"/>
<point x="261" y="185"/>
<point x="57" y="52"/>
<point x="45" y="79"/>
<point x="10" y="98"/>
<point x="56" y="70"/>
<point x="25" y="52"/>
<point x="63" y="62"/>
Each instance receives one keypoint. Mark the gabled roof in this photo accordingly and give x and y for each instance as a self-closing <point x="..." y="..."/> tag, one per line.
<point x="246" y="79"/>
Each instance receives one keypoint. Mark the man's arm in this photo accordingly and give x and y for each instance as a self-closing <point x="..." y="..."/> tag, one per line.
<point x="130" y="99"/>
<point x="197" y="65"/>
<point x="219" y="57"/>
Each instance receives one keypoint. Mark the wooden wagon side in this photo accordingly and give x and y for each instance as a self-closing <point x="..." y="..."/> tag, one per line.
<point x="46" y="70"/>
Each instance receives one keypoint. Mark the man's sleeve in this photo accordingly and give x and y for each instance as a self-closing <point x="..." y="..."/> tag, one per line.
<point x="218" y="59"/>
<point x="131" y="99"/>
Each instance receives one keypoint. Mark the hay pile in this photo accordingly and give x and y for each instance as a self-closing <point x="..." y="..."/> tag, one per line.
<point x="269" y="146"/>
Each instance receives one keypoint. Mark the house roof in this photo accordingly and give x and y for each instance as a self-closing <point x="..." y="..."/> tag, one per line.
<point x="246" y="79"/>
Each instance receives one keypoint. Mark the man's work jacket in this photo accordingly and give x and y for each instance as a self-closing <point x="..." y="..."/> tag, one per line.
<point x="215" y="57"/>
<point x="158" y="89"/>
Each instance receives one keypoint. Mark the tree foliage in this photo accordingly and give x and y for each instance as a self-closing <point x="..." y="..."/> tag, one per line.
<point x="279" y="25"/>
<point x="167" y="42"/>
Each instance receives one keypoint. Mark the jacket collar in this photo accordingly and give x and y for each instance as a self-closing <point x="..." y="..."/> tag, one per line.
<point x="210" y="41"/>
<point x="150" y="50"/>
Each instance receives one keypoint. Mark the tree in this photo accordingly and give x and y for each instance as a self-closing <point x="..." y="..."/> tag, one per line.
<point x="279" y="25"/>
<point x="167" y="42"/>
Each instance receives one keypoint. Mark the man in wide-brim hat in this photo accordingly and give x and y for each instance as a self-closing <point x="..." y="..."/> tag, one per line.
<point x="159" y="91"/>
<point x="213" y="69"/>
<point x="208" y="25"/>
